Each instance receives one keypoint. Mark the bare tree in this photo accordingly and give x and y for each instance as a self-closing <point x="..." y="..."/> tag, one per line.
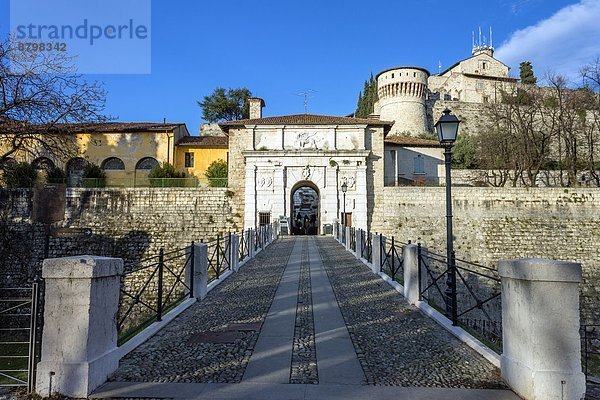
<point x="38" y="94"/>
<point x="591" y="82"/>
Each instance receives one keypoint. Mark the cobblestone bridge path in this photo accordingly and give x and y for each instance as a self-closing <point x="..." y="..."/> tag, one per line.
<point x="304" y="320"/>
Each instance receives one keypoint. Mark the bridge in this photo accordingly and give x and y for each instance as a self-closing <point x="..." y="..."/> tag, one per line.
<point x="304" y="319"/>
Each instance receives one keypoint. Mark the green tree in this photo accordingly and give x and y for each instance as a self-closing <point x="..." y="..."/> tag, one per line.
<point x="464" y="152"/>
<point x="20" y="175"/>
<point x="226" y="104"/>
<point x="526" y="72"/>
<point x="216" y="173"/>
<point x="367" y="98"/>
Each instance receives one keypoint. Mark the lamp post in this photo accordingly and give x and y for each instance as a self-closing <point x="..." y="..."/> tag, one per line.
<point x="344" y="190"/>
<point x="447" y="128"/>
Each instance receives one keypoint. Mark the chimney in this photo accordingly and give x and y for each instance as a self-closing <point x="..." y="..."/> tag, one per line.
<point x="256" y="106"/>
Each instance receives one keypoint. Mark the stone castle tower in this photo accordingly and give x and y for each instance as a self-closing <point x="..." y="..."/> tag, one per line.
<point x="402" y="94"/>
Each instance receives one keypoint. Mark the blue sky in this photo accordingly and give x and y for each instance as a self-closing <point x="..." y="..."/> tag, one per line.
<point x="280" y="48"/>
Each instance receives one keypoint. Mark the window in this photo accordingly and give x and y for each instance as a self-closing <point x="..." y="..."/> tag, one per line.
<point x="189" y="160"/>
<point x="419" y="164"/>
<point x="43" y="163"/>
<point x="480" y="85"/>
<point x="113" y="164"/>
<point x="486" y="99"/>
<point x="447" y="97"/>
<point x="146" y="163"/>
<point x="392" y="75"/>
<point x="264" y="218"/>
<point x="483" y="65"/>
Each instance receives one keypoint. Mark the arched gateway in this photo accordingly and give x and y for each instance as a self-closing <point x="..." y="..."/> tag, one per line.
<point x="304" y="210"/>
<point x="294" y="167"/>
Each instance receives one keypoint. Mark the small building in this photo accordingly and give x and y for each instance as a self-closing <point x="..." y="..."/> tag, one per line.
<point x="195" y="153"/>
<point x="413" y="161"/>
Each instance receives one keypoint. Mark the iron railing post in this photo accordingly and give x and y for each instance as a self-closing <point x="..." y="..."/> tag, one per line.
<point x="192" y="269"/>
<point x="393" y="261"/>
<point x="159" y="303"/>
<point x="419" y="273"/>
<point x="382" y="255"/>
<point x="229" y="249"/>
<point x="218" y="249"/>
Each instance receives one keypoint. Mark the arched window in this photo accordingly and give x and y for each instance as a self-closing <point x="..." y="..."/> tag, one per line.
<point x="75" y="169"/>
<point x="113" y="164"/>
<point x="146" y="163"/>
<point x="43" y="163"/>
<point x="75" y="166"/>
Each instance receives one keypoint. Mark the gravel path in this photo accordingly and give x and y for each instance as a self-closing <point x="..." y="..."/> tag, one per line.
<point x="395" y="343"/>
<point x="178" y="354"/>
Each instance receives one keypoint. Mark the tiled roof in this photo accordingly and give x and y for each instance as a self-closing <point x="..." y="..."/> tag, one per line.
<point x="412" y="141"/>
<point x="92" y="127"/>
<point x="204" y="141"/>
<point x="305" y="119"/>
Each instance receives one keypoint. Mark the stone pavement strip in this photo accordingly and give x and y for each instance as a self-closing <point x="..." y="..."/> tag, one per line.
<point x="312" y="297"/>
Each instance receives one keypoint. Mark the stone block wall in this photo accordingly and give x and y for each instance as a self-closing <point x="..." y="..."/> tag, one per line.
<point x="491" y="224"/>
<point x="127" y="223"/>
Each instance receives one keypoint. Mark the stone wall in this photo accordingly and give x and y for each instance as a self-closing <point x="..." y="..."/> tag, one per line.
<point x="126" y="223"/>
<point x="491" y="224"/>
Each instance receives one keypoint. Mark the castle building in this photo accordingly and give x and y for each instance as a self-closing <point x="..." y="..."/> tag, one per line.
<point x="295" y="166"/>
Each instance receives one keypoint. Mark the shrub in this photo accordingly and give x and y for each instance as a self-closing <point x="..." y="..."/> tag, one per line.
<point x="56" y="175"/>
<point x="216" y="173"/>
<point x="93" y="176"/>
<point x="165" y="175"/>
<point x="20" y="175"/>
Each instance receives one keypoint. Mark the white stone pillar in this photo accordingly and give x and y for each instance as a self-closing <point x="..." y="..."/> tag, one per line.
<point x="80" y="329"/>
<point x="359" y="242"/>
<point x="250" y="197"/>
<point x="200" y="270"/>
<point x="359" y="216"/>
<point x="234" y="252"/>
<point x="541" y="357"/>
<point x="378" y="242"/>
<point x="251" y="240"/>
<point x="347" y="244"/>
<point x="410" y="256"/>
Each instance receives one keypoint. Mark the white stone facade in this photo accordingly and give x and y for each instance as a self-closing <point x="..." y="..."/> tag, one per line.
<point x="280" y="158"/>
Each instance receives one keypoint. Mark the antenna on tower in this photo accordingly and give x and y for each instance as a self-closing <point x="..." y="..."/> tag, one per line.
<point x="491" y="41"/>
<point x="306" y="94"/>
<point x="439" y="67"/>
<point x="479" y="44"/>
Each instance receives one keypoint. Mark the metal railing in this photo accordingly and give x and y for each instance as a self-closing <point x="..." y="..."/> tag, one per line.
<point x="590" y="353"/>
<point x="467" y="293"/>
<point x="353" y="239"/>
<point x="244" y="248"/>
<point x="392" y="262"/>
<point x="19" y="336"/>
<point x="153" y="286"/>
<point x="366" y="250"/>
<point x="343" y="229"/>
<point x="218" y="256"/>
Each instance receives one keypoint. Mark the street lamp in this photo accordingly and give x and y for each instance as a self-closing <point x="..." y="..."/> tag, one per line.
<point x="344" y="190"/>
<point x="447" y="128"/>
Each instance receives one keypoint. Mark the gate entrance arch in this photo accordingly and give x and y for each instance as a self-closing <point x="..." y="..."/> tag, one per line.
<point x="305" y="216"/>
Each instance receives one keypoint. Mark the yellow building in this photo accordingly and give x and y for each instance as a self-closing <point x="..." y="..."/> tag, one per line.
<point x="195" y="153"/>
<point x="126" y="151"/>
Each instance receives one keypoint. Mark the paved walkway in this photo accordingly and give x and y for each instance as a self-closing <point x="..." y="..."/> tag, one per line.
<point x="304" y="320"/>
